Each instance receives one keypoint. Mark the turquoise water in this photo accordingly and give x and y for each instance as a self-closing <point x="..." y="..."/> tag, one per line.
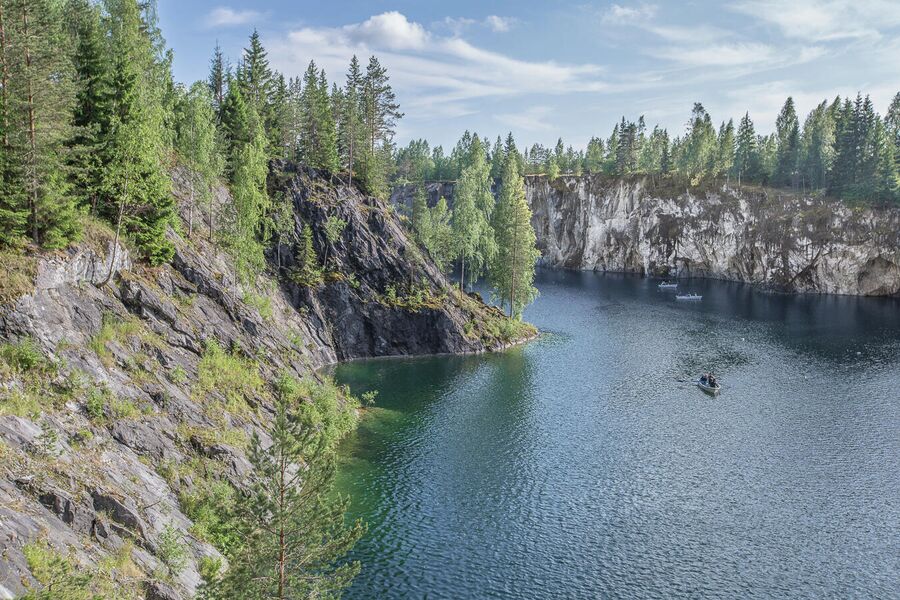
<point x="586" y="465"/>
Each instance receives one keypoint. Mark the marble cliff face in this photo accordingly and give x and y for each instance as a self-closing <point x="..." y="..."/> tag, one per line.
<point x="784" y="242"/>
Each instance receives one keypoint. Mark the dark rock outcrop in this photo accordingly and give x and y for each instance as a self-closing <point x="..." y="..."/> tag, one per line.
<point x="97" y="466"/>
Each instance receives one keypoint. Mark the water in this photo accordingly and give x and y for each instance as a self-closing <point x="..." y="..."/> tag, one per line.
<point x="586" y="465"/>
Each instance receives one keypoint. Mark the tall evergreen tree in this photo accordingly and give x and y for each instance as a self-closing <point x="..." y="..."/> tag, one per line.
<point x="39" y="105"/>
<point x="787" y="130"/>
<point x="380" y="112"/>
<point x="746" y="152"/>
<point x="93" y="104"/>
<point x="350" y="126"/>
<point x="291" y="524"/>
<point x="219" y="74"/>
<point x="512" y="269"/>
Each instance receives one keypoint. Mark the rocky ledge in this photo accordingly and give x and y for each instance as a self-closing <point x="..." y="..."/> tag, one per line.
<point x="124" y="406"/>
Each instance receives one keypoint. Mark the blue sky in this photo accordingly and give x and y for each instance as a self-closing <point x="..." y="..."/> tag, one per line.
<point x="548" y="68"/>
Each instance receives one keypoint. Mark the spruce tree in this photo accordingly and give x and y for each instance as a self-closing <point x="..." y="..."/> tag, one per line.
<point x="292" y="525"/>
<point x="380" y="113"/>
<point x="136" y="183"/>
<point x="93" y="104"/>
<point x="219" y="74"/>
<point x="787" y="130"/>
<point x="512" y="268"/>
<point x="746" y="153"/>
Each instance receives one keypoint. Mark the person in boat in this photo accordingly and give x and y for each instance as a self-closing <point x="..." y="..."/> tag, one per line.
<point x="712" y="380"/>
<point x="704" y="378"/>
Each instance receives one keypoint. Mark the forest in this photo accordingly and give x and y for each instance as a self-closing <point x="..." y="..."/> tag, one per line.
<point x="843" y="149"/>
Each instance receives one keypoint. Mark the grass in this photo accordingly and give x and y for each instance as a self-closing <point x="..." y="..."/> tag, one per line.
<point x="490" y="324"/>
<point x="35" y="383"/>
<point x="263" y="304"/>
<point x="414" y="297"/>
<point x="213" y="436"/>
<point x="17" y="275"/>
<point x="114" y="329"/>
<point x="102" y="406"/>
<point x="230" y="376"/>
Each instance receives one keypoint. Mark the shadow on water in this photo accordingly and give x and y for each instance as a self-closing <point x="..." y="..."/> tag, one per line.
<point x="586" y="464"/>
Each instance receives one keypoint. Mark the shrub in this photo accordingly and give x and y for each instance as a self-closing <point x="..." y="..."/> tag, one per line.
<point x="234" y="377"/>
<point x="171" y="550"/>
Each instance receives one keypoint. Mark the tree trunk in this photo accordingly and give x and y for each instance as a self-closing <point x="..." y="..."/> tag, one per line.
<point x="4" y="83"/>
<point x="462" y="278"/>
<point x="212" y="196"/>
<point x="112" y="262"/>
<point x="32" y="136"/>
<point x="281" y="540"/>
<point x="191" y="210"/>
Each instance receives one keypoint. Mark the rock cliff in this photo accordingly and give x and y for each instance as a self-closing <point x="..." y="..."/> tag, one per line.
<point x="123" y="406"/>
<point x="780" y="241"/>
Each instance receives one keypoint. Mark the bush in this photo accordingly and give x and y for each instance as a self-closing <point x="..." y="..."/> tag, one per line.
<point x="234" y="377"/>
<point x="171" y="550"/>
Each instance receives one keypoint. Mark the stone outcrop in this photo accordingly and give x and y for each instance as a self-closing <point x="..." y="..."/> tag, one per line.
<point x="780" y="241"/>
<point x="97" y="466"/>
<point x="776" y="240"/>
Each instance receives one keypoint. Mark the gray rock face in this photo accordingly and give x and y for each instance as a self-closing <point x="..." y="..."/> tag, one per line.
<point x="783" y="242"/>
<point x="787" y="243"/>
<point x="91" y="484"/>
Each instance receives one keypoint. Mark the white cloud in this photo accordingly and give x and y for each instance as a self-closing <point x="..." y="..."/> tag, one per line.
<point x="499" y="24"/>
<point x="223" y="16"/>
<point x="825" y="20"/>
<point x="719" y="55"/>
<point x="435" y="76"/>
<point x="620" y="15"/>
<point x="388" y="30"/>
<point x="530" y="119"/>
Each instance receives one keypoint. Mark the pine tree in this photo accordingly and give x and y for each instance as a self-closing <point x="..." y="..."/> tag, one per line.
<point x="746" y="153"/>
<point x="698" y="154"/>
<point x="498" y="158"/>
<point x="292" y="526"/>
<point x="787" y="130"/>
<point x="724" y="149"/>
<point x="307" y="271"/>
<point x="885" y="180"/>
<point x="817" y="146"/>
<point x="380" y="113"/>
<point x="219" y="74"/>
<point x="318" y="143"/>
<point x="350" y="127"/>
<point x="13" y="204"/>
<point x="39" y="105"/>
<point x="512" y="270"/>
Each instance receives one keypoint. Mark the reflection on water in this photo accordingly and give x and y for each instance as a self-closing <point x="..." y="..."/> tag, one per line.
<point x="586" y="464"/>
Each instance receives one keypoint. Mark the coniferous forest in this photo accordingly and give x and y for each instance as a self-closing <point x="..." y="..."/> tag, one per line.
<point x="93" y="128"/>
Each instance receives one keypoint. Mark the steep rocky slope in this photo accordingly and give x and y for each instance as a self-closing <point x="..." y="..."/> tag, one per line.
<point x="780" y="241"/>
<point x="123" y="406"/>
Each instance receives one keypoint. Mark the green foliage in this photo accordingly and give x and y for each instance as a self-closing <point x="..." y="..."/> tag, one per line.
<point x="512" y="269"/>
<point x="334" y="227"/>
<point x="172" y="551"/>
<point x="210" y="505"/>
<point x="321" y="405"/>
<point x="60" y="577"/>
<point x="292" y="528"/>
<point x="230" y="375"/>
<point x="412" y="297"/>
<point x="34" y="382"/>
<point x="307" y="272"/>
<point x="262" y="303"/>
<point x="197" y="146"/>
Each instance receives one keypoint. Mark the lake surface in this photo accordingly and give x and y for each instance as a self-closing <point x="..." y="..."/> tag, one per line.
<point x="586" y="464"/>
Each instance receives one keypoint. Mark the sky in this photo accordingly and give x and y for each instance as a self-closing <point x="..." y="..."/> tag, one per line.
<point x="545" y="69"/>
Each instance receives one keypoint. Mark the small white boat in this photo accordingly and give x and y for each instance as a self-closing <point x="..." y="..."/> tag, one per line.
<point x="710" y="388"/>
<point x="668" y="285"/>
<point x="689" y="297"/>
